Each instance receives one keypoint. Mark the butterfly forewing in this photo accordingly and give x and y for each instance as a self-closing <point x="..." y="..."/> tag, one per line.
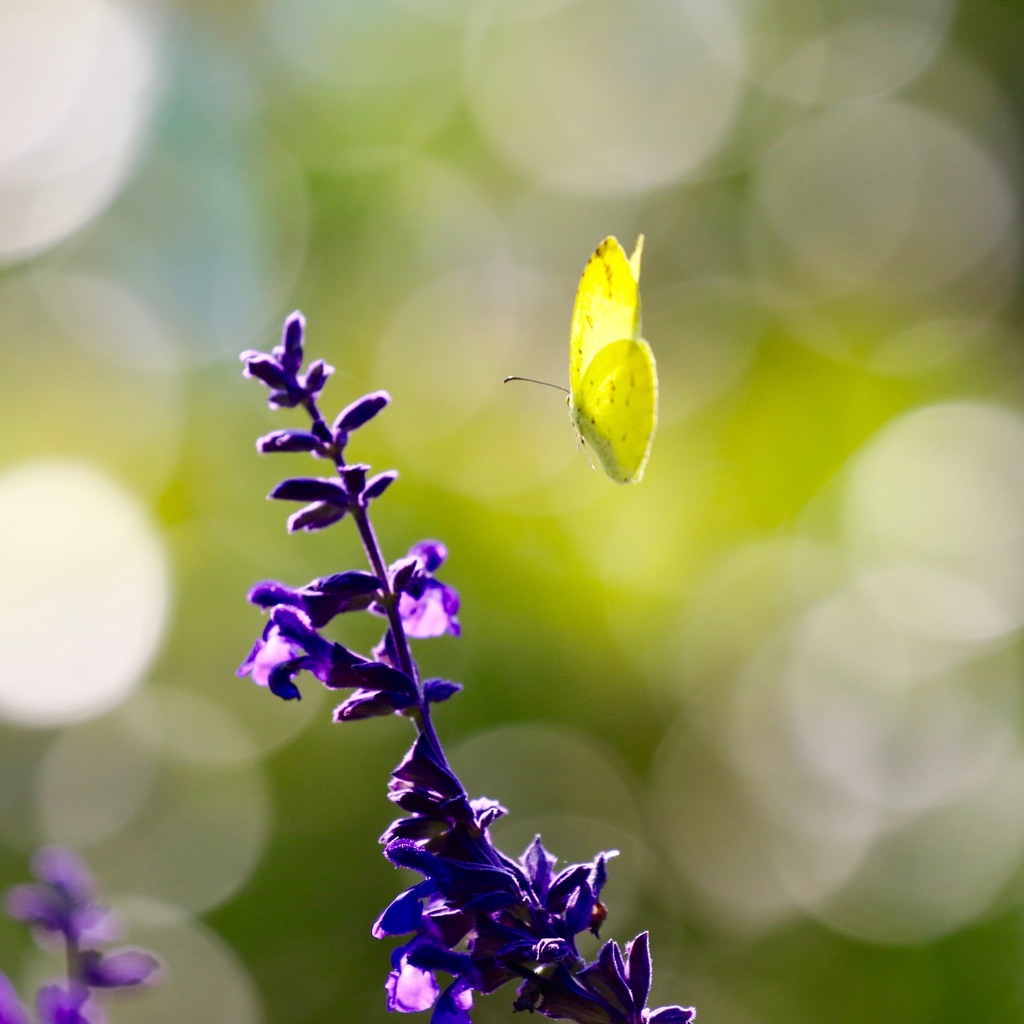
<point x="615" y="408"/>
<point x="607" y="305"/>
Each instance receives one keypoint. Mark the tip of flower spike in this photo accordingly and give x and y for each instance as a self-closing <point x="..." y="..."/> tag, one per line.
<point x="291" y="341"/>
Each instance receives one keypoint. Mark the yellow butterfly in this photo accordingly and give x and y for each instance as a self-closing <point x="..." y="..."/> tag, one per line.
<point x="613" y="383"/>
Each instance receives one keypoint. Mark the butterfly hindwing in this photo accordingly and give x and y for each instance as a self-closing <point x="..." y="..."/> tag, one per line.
<point x="615" y="407"/>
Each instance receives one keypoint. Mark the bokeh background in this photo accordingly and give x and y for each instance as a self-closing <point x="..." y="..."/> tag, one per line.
<point x="782" y="675"/>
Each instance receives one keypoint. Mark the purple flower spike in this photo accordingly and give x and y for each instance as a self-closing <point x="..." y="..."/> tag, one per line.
<point x="477" y="919"/>
<point x="279" y="370"/>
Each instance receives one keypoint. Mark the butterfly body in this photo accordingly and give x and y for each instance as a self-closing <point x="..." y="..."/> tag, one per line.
<point x="613" y="382"/>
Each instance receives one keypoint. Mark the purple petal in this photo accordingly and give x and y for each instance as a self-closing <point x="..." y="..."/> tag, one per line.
<point x="404" y="913"/>
<point x="40" y="906"/>
<point x="377" y="676"/>
<point x="538" y="864"/>
<point x="58" y="1005"/>
<point x="638" y="968"/>
<point x="403" y="572"/>
<point x="431" y="554"/>
<point x="420" y="768"/>
<point x="411" y="989"/>
<point x="579" y="909"/>
<point x="454" y="1004"/>
<point x="11" y="1010"/>
<point x="486" y="811"/>
<point x="669" y="1015"/>
<point x="608" y="974"/>
<point x="268" y="654"/>
<point x="549" y="951"/>
<point x="340" y="670"/>
<point x="431" y="614"/>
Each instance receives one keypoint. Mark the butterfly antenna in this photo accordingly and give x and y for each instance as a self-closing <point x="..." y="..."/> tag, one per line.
<point x="531" y="380"/>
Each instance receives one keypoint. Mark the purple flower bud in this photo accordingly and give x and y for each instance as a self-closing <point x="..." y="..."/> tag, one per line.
<point x="437" y="690"/>
<point x="361" y="411"/>
<point x="317" y="516"/>
<point x="378" y="484"/>
<point x="259" y="366"/>
<point x="316" y="377"/>
<point x="279" y="370"/>
<point x="269" y="594"/>
<point x="118" y="970"/>
<point x="292" y="335"/>
<point x="310" y="488"/>
<point x="287" y="441"/>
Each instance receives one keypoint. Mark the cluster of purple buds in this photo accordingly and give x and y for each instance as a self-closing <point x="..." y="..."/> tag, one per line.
<point x="61" y="911"/>
<point x="478" y="916"/>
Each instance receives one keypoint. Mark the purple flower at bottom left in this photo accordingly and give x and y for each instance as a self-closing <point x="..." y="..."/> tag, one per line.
<point x="61" y="910"/>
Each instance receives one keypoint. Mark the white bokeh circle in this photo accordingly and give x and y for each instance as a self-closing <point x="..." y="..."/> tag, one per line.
<point x="79" y="79"/>
<point x="84" y="592"/>
<point x="606" y="99"/>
